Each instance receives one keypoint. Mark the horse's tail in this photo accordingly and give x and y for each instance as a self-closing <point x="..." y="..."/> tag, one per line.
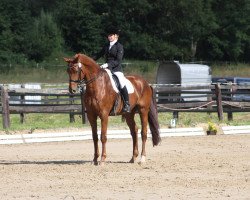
<point x="153" y="121"/>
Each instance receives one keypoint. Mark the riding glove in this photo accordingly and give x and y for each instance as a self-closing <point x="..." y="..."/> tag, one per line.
<point x="104" y="65"/>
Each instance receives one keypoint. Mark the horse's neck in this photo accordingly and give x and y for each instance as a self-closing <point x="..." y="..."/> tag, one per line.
<point x="91" y="73"/>
<point x="98" y="79"/>
<point x="100" y="82"/>
<point x="92" y="69"/>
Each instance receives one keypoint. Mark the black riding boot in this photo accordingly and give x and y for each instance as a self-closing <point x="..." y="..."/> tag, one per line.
<point x="126" y="107"/>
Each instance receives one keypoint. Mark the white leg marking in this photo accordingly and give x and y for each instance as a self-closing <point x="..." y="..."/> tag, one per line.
<point x="143" y="159"/>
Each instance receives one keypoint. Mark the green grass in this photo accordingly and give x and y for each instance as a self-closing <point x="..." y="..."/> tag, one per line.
<point x="225" y="69"/>
<point x="34" y="75"/>
<point x="61" y="121"/>
<point x="146" y="69"/>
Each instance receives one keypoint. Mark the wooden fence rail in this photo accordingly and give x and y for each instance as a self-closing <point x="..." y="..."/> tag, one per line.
<point x="170" y="98"/>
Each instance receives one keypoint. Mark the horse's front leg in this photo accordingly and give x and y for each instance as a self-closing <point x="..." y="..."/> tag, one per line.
<point x="93" y="122"/>
<point x="104" y="127"/>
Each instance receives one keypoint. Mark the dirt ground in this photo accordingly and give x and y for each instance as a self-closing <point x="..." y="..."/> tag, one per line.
<point x="204" y="167"/>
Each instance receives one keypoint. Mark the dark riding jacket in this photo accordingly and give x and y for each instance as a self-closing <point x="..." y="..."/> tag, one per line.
<point x="112" y="56"/>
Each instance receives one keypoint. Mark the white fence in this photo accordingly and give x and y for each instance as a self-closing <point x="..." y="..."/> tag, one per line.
<point x="112" y="134"/>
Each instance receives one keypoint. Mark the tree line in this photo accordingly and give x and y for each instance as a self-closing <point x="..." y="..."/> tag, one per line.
<point x="186" y="30"/>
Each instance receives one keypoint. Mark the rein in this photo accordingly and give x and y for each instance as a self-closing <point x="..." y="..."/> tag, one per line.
<point x="86" y="82"/>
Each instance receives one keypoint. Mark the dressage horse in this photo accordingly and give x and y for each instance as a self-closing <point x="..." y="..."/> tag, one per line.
<point x="99" y="99"/>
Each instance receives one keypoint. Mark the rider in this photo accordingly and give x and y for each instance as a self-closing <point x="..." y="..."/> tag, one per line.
<point x="113" y="54"/>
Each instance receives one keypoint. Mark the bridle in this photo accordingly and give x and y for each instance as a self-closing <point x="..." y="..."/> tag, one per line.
<point x="82" y="82"/>
<point x="79" y="80"/>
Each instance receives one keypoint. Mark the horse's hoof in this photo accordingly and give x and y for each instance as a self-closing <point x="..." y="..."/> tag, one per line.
<point x="143" y="160"/>
<point x="95" y="162"/>
<point x="101" y="163"/>
<point x="132" y="160"/>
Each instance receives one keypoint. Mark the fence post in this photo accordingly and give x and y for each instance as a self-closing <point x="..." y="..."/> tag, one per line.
<point x="175" y="115"/>
<point x="22" y="116"/>
<point x="230" y="113"/>
<point x="230" y="116"/>
<point x="209" y="107"/>
<point x="219" y="101"/>
<point x="5" y="107"/>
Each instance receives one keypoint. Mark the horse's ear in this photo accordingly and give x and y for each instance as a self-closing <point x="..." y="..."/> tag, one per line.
<point x="68" y="60"/>
<point x="77" y="56"/>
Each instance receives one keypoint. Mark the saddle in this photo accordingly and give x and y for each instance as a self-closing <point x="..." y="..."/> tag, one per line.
<point x="118" y="96"/>
<point x="117" y="87"/>
<point x="117" y="82"/>
<point x="128" y="84"/>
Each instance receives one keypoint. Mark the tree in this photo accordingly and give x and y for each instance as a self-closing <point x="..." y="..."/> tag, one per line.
<point x="231" y="37"/>
<point x="45" y="38"/>
<point x="36" y="6"/>
<point x="150" y="29"/>
<point x="14" y="24"/>
<point x="178" y="26"/>
<point x="79" y="25"/>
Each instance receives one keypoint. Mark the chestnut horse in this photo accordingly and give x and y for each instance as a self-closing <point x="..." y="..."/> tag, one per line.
<point x="99" y="98"/>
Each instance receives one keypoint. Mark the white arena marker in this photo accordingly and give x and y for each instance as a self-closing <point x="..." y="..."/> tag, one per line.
<point x="231" y="130"/>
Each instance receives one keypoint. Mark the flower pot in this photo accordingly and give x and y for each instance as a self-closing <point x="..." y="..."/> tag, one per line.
<point x="211" y="132"/>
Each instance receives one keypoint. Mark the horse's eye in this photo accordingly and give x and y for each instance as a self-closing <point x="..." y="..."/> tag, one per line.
<point x="71" y="67"/>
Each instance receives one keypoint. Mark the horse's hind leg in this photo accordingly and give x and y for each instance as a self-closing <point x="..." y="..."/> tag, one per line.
<point x="144" y="124"/>
<point x="134" y="133"/>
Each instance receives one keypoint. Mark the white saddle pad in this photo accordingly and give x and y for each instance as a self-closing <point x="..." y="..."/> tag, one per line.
<point x="128" y="84"/>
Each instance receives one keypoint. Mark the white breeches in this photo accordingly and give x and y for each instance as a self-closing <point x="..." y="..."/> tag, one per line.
<point x="121" y="78"/>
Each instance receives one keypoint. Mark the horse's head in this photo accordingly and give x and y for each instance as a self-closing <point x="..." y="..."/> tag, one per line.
<point x="81" y="69"/>
<point x="75" y="72"/>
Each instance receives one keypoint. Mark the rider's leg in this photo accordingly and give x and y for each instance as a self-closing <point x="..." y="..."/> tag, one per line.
<point x="126" y="107"/>
<point x="124" y="91"/>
